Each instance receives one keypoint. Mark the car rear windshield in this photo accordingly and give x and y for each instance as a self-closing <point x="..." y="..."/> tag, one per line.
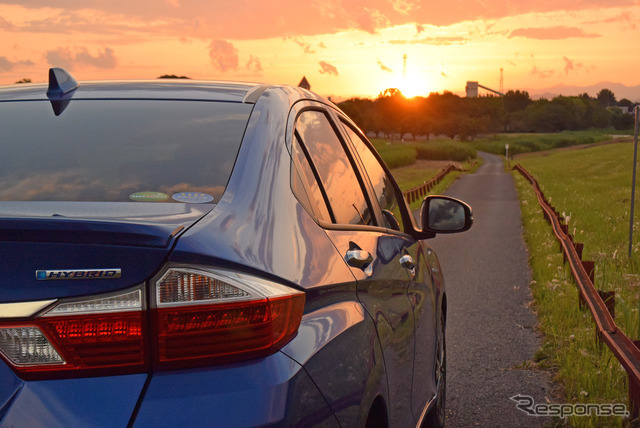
<point x="119" y="150"/>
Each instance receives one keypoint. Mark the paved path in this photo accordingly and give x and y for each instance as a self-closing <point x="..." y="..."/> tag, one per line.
<point x="490" y="327"/>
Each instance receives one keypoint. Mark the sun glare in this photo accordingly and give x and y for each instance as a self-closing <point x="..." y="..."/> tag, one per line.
<point x="412" y="86"/>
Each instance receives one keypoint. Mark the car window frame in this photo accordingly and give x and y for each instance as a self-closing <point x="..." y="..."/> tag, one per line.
<point x="355" y="162"/>
<point x="408" y="220"/>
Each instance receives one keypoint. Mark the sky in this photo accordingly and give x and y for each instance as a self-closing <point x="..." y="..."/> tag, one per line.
<point x="345" y="48"/>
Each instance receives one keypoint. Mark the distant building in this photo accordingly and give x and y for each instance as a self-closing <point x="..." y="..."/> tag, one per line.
<point x="472" y="89"/>
<point x="304" y="83"/>
<point x="623" y="109"/>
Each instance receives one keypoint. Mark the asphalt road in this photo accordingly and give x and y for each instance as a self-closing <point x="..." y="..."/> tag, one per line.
<point x="490" y="328"/>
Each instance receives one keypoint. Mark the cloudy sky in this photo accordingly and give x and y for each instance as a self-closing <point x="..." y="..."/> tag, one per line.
<point x="343" y="47"/>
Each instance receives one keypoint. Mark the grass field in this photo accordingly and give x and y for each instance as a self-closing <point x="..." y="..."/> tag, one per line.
<point x="593" y="188"/>
<point x="398" y="154"/>
<point x="527" y="143"/>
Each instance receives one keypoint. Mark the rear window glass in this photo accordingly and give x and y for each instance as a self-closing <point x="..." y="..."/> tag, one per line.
<point x="119" y="150"/>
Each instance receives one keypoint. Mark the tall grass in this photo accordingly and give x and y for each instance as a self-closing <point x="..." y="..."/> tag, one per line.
<point x="398" y="154"/>
<point x="395" y="155"/>
<point x="445" y="150"/>
<point x="592" y="187"/>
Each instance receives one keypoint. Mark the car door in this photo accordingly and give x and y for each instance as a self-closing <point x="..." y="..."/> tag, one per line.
<point x="421" y="293"/>
<point x="355" y="226"/>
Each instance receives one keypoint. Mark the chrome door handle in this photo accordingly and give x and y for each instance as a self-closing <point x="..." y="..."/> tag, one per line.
<point x="359" y="258"/>
<point x="407" y="262"/>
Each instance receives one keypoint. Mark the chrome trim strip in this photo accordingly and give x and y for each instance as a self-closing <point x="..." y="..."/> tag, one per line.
<point x="425" y="411"/>
<point x="23" y="309"/>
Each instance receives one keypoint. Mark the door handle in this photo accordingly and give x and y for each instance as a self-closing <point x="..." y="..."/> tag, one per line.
<point x="407" y="262"/>
<point x="359" y="258"/>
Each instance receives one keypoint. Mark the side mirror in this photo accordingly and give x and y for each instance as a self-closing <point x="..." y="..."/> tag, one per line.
<point x="442" y="214"/>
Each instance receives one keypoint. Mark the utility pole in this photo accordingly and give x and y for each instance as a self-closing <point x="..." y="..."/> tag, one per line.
<point x="404" y="66"/>
<point x="633" y="183"/>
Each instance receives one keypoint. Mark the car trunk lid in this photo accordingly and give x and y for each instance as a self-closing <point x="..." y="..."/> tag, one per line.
<point x="58" y="250"/>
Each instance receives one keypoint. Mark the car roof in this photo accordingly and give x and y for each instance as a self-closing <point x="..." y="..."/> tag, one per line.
<point x="168" y="89"/>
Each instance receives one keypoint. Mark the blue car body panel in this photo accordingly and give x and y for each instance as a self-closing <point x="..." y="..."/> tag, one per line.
<point x="255" y="393"/>
<point x="97" y="401"/>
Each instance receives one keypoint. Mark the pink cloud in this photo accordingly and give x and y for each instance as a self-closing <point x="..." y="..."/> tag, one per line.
<point x="305" y="46"/>
<point x="254" y="64"/>
<point x="624" y="17"/>
<point x="224" y="55"/>
<point x="545" y="74"/>
<point x="370" y="20"/>
<point x="7" y="65"/>
<point x="326" y="68"/>
<point x="68" y="58"/>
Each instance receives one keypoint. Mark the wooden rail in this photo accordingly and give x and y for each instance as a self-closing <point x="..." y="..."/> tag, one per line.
<point x="421" y="191"/>
<point x="624" y="349"/>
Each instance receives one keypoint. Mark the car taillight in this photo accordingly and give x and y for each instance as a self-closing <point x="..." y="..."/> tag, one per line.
<point x="206" y="316"/>
<point x="198" y="316"/>
<point x="84" y="337"/>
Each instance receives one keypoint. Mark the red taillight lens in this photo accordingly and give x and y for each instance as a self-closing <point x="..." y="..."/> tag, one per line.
<point x="98" y="341"/>
<point x="199" y="317"/>
<point x="96" y="336"/>
<point x="207" y="317"/>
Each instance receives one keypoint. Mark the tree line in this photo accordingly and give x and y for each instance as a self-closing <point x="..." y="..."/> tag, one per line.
<point x="452" y="115"/>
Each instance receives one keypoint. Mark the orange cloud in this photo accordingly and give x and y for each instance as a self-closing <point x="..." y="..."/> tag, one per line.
<point x="254" y="64"/>
<point x="64" y="57"/>
<point x="383" y="67"/>
<point x="6" y="64"/>
<point x="326" y="68"/>
<point x="224" y="55"/>
<point x="552" y="33"/>
<point x="436" y="41"/>
<point x="247" y="20"/>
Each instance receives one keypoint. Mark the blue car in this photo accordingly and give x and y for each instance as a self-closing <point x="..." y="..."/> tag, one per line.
<point x="188" y="253"/>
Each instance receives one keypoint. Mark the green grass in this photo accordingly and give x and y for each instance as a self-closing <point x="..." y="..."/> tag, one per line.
<point x="410" y="177"/>
<point x="527" y="143"/>
<point x="395" y="155"/>
<point x="445" y="150"/>
<point x="414" y="176"/>
<point x="593" y="188"/>
<point x="398" y="154"/>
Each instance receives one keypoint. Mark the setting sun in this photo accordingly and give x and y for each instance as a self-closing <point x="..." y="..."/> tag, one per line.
<point x="413" y="86"/>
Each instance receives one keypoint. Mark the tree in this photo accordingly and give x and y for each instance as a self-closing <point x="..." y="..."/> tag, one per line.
<point x="24" y="80"/>
<point x="606" y="98"/>
<point x="391" y="107"/>
<point x="172" y="76"/>
<point x="516" y="100"/>
<point x="626" y="103"/>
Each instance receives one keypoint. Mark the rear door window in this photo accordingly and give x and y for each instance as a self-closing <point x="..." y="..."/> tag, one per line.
<point x="346" y="201"/>
<point x="380" y="180"/>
